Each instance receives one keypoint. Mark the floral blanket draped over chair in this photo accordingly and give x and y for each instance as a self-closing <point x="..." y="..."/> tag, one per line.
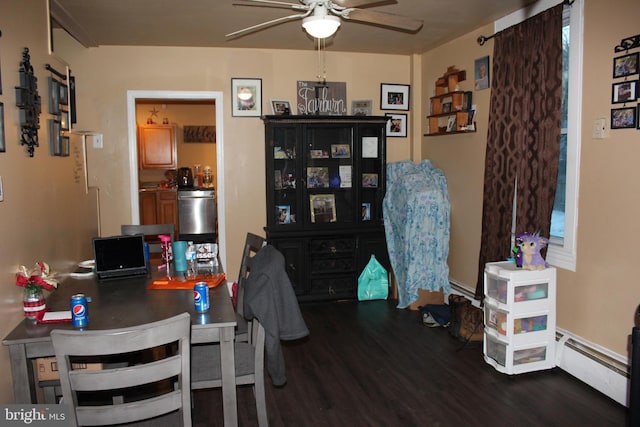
<point x="416" y="215"/>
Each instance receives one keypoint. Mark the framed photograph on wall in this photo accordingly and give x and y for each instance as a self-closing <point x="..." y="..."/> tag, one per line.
<point x="624" y="92"/>
<point x="396" y="125"/>
<point x="394" y="97"/>
<point x="246" y="97"/>
<point x="54" y="96"/>
<point x="3" y="144"/>
<point x="323" y="208"/>
<point x="481" y="73"/>
<point x="623" y="118"/>
<point x="361" y="107"/>
<point x="625" y="65"/>
<point x="64" y="94"/>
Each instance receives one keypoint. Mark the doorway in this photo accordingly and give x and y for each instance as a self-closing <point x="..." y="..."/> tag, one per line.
<point x="216" y="98"/>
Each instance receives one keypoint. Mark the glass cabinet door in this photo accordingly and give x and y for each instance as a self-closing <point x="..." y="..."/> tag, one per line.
<point x="371" y="181"/>
<point x="285" y="177"/>
<point x="328" y="172"/>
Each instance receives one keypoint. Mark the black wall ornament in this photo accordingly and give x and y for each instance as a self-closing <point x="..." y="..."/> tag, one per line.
<point x="28" y="101"/>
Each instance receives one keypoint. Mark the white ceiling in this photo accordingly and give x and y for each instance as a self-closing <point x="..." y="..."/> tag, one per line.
<point x="204" y="23"/>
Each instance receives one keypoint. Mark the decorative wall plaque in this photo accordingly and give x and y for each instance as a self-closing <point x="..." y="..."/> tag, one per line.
<point x="28" y="101"/>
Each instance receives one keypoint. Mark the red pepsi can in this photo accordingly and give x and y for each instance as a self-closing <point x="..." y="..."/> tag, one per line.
<point x="201" y="296"/>
<point x="79" y="311"/>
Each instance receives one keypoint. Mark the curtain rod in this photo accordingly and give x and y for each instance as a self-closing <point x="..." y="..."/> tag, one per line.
<point x="483" y="39"/>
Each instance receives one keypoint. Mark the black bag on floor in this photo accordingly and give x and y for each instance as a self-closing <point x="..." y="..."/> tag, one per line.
<point x="434" y="315"/>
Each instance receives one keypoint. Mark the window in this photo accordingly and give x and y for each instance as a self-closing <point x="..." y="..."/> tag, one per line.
<point x="564" y="222"/>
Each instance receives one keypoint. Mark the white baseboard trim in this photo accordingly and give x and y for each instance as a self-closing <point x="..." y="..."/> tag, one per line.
<point x="596" y="366"/>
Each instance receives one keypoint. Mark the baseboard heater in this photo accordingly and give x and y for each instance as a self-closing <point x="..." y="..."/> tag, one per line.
<point x="604" y="370"/>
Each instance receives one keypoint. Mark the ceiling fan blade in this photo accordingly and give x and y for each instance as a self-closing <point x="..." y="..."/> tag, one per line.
<point x="384" y="19"/>
<point x="271" y="23"/>
<point x="271" y="3"/>
<point x="361" y="3"/>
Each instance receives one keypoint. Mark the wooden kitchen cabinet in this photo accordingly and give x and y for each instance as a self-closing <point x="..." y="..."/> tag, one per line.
<point x="157" y="147"/>
<point x="159" y="207"/>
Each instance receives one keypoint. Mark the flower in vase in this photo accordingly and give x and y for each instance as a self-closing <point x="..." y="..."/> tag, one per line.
<point x="39" y="277"/>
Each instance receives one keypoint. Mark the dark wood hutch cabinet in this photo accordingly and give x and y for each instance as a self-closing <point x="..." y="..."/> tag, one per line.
<point x="325" y="185"/>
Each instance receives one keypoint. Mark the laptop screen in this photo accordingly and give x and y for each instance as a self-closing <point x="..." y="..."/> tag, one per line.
<point x="119" y="256"/>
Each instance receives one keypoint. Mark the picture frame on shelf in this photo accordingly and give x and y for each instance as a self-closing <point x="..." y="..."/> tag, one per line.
<point x="394" y="96"/>
<point x="283" y="214"/>
<point x="366" y="212"/>
<point x="451" y="123"/>
<point x="277" y="183"/>
<point x="446" y="107"/>
<point x="625" y="65"/>
<point x="280" y="107"/>
<point x="624" y="92"/>
<point x="340" y="151"/>
<point x="369" y="180"/>
<point x="396" y="125"/>
<point x="322" y="208"/>
<point x="624" y="118"/>
<point x="361" y="107"/>
<point x="318" y="154"/>
<point x="317" y="177"/>
<point x="246" y="97"/>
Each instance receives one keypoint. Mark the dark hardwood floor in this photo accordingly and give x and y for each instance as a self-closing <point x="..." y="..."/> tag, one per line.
<point x="370" y="364"/>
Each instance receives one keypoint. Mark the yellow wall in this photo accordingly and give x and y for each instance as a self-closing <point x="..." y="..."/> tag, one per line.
<point x="598" y="301"/>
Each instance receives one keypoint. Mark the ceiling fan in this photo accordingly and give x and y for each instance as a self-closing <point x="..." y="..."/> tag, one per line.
<point x="321" y="18"/>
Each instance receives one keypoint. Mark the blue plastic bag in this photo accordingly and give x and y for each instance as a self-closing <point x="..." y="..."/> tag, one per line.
<point x="373" y="282"/>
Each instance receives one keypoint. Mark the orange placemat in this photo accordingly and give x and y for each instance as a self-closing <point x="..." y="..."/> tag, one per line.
<point x="183" y="283"/>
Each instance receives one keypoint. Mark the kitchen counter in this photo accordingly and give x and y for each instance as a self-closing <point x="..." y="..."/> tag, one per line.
<point x="154" y="189"/>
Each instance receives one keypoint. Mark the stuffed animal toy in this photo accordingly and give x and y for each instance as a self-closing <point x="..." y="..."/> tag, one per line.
<point x="528" y="253"/>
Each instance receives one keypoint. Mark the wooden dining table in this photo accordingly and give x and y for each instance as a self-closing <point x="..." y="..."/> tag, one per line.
<point x="120" y="304"/>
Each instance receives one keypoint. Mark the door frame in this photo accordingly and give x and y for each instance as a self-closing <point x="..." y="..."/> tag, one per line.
<point x="217" y="97"/>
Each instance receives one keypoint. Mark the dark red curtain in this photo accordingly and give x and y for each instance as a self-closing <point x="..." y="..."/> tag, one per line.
<point x="523" y="139"/>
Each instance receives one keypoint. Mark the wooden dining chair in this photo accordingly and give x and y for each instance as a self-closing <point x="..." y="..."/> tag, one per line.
<point x="151" y="233"/>
<point x="253" y="243"/>
<point x="119" y="389"/>
<point x="249" y="367"/>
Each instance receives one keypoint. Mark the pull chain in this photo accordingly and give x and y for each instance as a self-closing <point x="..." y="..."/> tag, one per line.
<point x="322" y="61"/>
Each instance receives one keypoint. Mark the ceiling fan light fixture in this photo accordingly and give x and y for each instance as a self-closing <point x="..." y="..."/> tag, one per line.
<point x="321" y="27"/>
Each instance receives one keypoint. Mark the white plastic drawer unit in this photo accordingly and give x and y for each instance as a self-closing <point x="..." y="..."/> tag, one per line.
<point x="501" y="321"/>
<point x="519" y="318"/>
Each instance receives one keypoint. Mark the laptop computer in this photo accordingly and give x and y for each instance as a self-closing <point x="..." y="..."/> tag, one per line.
<point x="119" y="257"/>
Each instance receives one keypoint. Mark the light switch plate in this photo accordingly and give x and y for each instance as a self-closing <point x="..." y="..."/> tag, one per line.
<point x="96" y="140"/>
<point x="600" y="129"/>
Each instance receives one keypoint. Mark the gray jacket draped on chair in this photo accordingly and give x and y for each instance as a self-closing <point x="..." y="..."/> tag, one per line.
<point x="269" y="297"/>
